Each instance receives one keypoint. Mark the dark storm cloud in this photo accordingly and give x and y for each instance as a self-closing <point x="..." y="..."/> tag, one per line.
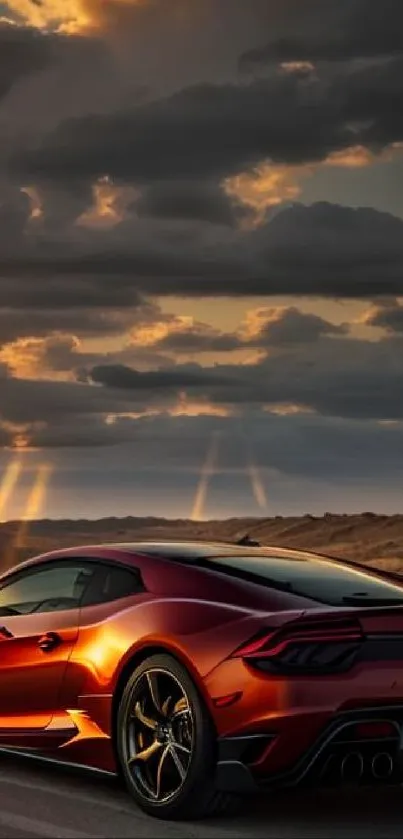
<point x="336" y="377"/>
<point x="333" y="250"/>
<point x="290" y="326"/>
<point x="63" y="353"/>
<point x="196" y="339"/>
<point x="322" y="249"/>
<point x="340" y="377"/>
<point x="30" y="401"/>
<point x="373" y="101"/>
<point x="23" y="51"/>
<point x="83" y="431"/>
<point x="33" y="401"/>
<point x="304" y="447"/>
<point x="388" y="317"/>
<point x="215" y="130"/>
<point x="15" y="209"/>
<point x="83" y="322"/>
<point x="190" y="200"/>
<point x="209" y="130"/>
<point x="125" y="378"/>
<point x="277" y="327"/>
<point x="346" y="29"/>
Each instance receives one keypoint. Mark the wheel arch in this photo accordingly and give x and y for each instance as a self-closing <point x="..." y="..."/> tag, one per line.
<point x="134" y="661"/>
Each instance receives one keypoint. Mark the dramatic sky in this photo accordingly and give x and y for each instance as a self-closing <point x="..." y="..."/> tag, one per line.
<point x="201" y="257"/>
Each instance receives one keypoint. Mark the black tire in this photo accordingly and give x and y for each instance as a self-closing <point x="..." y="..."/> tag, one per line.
<point x="196" y="796"/>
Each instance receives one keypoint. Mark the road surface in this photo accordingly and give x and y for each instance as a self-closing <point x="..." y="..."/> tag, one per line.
<point x="38" y="800"/>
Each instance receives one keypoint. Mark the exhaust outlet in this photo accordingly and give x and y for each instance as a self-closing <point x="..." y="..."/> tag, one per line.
<point x="382" y="766"/>
<point x="352" y="767"/>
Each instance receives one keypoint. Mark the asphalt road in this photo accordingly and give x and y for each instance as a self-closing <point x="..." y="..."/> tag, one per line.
<point x="48" y="801"/>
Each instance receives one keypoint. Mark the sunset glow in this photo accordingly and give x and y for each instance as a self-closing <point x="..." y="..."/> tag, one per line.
<point x="201" y="228"/>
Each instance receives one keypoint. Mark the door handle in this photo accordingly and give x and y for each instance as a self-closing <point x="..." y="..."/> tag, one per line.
<point x="49" y="641"/>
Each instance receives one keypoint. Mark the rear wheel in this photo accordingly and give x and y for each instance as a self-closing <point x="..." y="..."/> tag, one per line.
<point x="166" y="743"/>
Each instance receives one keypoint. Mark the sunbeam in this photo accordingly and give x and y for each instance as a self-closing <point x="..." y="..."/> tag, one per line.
<point x="35" y="502"/>
<point x="208" y="470"/>
<point x="252" y="469"/>
<point x="8" y="483"/>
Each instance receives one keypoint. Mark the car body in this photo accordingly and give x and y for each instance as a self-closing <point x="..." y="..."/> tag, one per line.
<point x="291" y="662"/>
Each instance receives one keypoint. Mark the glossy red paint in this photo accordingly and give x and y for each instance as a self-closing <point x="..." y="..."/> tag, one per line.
<point x="62" y="701"/>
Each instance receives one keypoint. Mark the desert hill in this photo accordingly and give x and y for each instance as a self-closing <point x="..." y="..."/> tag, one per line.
<point x="366" y="537"/>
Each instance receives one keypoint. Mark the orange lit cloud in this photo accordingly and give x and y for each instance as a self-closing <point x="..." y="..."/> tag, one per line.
<point x="110" y="204"/>
<point x="36" y="204"/>
<point x="269" y="185"/>
<point x="184" y="407"/>
<point x="196" y="408"/>
<point x="287" y="409"/>
<point x="68" y="16"/>
<point x="149" y="334"/>
<point x="266" y="186"/>
<point x="256" y="319"/>
<point x="32" y="358"/>
<point x="23" y="356"/>
<point x="297" y="67"/>
<point x="357" y="157"/>
<point x="60" y="15"/>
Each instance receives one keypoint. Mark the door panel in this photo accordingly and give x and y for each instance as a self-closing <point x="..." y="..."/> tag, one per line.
<point x="31" y="672"/>
<point x="39" y="617"/>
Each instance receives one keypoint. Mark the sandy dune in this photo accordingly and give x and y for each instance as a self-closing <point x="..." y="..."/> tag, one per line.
<point x="370" y="538"/>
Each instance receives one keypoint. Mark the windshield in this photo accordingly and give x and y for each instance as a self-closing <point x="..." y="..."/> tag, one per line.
<point x="325" y="581"/>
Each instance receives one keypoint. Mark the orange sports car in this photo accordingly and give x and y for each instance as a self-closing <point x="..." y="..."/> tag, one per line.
<point x="201" y="672"/>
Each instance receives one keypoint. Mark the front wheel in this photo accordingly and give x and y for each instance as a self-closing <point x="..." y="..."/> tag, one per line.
<point x="166" y="743"/>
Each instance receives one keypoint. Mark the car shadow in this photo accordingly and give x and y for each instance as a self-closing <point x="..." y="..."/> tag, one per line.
<point x="359" y="812"/>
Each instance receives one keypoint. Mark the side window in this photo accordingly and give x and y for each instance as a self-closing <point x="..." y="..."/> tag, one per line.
<point x="46" y="589"/>
<point x="112" y="582"/>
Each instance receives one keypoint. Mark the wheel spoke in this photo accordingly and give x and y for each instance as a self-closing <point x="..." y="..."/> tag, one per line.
<point x="154" y="691"/>
<point x="178" y="714"/>
<point x="147" y="721"/>
<point x="178" y="763"/>
<point x="181" y="748"/>
<point x="163" y="757"/>
<point x="181" y="706"/>
<point x="165" y="706"/>
<point x="147" y="753"/>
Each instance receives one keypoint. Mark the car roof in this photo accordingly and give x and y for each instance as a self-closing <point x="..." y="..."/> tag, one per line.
<point x="188" y="550"/>
<point x="185" y="551"/>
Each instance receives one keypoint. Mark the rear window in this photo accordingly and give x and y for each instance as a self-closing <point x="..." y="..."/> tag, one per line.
<point x="317" y="579"/>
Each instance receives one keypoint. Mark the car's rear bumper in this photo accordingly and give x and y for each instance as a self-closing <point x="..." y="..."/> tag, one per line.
<point x="339" y="755"/>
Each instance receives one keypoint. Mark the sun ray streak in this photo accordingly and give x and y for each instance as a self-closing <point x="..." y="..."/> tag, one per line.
<point x="258" y="487"/>
<point x="8" y="483"/>
<point x="207" y="472"/>
<point x="35" y="502"/>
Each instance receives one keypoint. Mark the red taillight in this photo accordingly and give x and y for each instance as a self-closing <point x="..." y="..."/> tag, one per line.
<point x="274" y="642"/>
<point x="256" y="645"/>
